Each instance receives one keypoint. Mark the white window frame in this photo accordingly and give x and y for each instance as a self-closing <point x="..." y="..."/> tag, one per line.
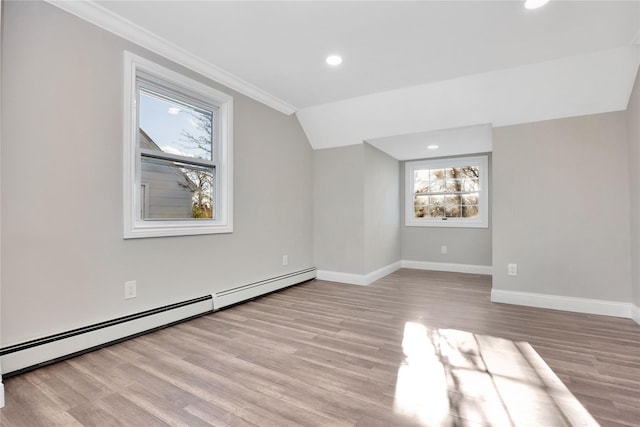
<point x="482" y="221"/>
<point x="137" y="227"/>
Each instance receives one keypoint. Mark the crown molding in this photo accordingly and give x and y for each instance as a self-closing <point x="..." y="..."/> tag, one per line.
<point x="92" y="12"/>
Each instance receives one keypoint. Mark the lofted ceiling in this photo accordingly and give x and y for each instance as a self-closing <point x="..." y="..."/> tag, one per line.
<point x="409" y="67"/>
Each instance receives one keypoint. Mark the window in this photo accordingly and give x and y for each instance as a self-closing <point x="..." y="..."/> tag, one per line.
<point x="177" y="154"/>
<point x="449" y="192"/>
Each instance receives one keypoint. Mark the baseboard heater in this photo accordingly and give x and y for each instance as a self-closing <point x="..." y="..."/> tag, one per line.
<point x="242" y="293"/>
<point x="29" y="355"/>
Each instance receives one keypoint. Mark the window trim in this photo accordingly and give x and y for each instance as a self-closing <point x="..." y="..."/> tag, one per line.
<point x="136" y="67"/>
<point x="482" y="221"/>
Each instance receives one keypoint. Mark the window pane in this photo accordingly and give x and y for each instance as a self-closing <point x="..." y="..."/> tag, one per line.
<point x="437" y="186"/>
<point x="470" y="185"/>
<point x="452" y="199"/>
<point x="470" y="199"/>
<point x="421" y="175"/>
<point x="452" y="211"/>
<point x="436" y="211"/>
<point x="454" y="185"/>
<point x="470" y="172"/>
<point x="175" y="190"/>
<point x="421" y="181"/>
<point x="174" y="127"/>
<point x="436" y="200"/>
<point x="420" y="205"/>
<point x="436" y="174"/>
<point x="470" y="211"/>
<point x="453" y="172"/>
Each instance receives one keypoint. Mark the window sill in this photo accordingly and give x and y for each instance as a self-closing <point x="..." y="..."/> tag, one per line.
<point x="170" y="230"/>
<point x="447" y="224"/>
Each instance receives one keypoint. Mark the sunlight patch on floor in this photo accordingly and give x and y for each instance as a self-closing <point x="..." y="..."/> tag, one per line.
<point x="450" y="375"/>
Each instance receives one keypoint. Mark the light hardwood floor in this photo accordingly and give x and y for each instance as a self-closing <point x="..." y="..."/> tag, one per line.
<point x="415" y="348"/>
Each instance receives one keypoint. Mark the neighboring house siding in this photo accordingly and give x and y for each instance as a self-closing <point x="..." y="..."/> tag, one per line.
<point x="166" y="192"/>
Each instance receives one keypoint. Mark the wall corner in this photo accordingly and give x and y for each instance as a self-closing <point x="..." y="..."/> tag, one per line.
<point x="635" y="314"/>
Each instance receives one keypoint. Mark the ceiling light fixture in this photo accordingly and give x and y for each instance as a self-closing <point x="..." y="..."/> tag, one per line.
<point x="432" y="147"/>
<point x="334" y="60"/>
<point x="534" y="4"/>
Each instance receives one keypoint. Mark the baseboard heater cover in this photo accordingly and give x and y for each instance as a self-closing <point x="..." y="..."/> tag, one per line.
<point x="29" y="355"/>
<point x="242" y="293"/>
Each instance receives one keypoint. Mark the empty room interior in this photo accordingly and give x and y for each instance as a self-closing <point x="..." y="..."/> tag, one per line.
<point x="367" y="213"/>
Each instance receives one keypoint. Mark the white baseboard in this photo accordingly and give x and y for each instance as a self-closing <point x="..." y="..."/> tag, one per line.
<point x="556" y="302"/>
<point x="358" y="279"/>
<point x="366" y="279"/>
<point x="635" y="313"/>
<point x="336" y="276"/>
<point x="455" y="268"/>
<point x="381" y="272"/>
<point x="1" y="395"/>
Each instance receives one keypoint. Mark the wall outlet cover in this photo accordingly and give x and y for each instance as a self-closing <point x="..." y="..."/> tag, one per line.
<point x="130" y="290"/>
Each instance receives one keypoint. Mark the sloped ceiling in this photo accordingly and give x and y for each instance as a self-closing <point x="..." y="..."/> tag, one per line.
<point x="409" y="67"/>
<point x="585" y="84"/>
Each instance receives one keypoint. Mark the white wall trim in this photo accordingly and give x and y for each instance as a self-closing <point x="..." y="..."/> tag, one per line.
<point x="557" y="302"/>
<point x="455" y="268"/>
<point x="336" y="276"/>
<point x="1" y="395"/>
<point x="382" y="272"/>
<point x="358" y="279"/>
<point x="107" y="20"/>
<point x="635" y="313"/>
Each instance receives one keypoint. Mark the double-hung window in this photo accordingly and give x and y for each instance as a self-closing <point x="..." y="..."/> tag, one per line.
<point x="450" y="192"/>
<point x="177" y="154"/>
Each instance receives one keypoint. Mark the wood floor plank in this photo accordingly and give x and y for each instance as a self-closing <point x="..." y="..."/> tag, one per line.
<point x="416" y="348"/>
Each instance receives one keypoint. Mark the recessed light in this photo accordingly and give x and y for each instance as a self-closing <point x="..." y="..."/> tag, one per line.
<point x="433" y="147"/>
<point x="334" y="60"/>
<point x="534" y="4"/>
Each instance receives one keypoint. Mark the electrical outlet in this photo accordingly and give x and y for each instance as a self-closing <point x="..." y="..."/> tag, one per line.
<point x="443" y="250"/>
<point x="512" y="269"/>
<point x="285" y="259"/>
<point x="129" y="290"/>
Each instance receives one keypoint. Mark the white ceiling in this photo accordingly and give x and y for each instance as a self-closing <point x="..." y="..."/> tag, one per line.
<point x="276" y="50"/>
<point x="447" y="142"/>
<point x="281" y="46"/>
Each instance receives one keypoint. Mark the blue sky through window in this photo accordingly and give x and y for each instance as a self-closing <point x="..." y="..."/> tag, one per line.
<point x="166" y="122"/>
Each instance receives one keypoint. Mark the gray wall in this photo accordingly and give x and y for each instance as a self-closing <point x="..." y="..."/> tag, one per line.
<point x="561" y="207"/>
<point x="355" y="213"/>
<point x="64" y="261"/>
<point x="381" y="213"/>
<point x="471" y="246"/>
<point x="633" y="133"/>
<point x="338" y="209"/>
